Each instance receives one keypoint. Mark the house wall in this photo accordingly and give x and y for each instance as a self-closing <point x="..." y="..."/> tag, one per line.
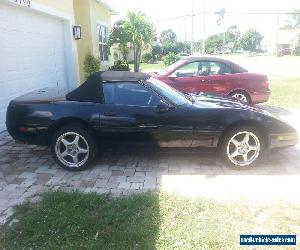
<point x="38" y="50"/>
<point x="84" y="45"/>
<point x="87" y="14"/>
<point x="99" y="14"/>
<point x="59" y="5"/>
<point x="63" y="9"/>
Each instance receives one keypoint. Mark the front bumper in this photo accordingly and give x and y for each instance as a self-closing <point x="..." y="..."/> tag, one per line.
<point x="283" y="140"/>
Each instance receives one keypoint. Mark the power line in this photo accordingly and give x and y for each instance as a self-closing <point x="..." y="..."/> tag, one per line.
<point x="227" y="12"/>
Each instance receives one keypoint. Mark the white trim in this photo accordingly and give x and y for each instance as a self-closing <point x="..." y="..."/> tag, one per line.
<point x="68" y="22"/>
<point x="98" y="22"/>
<point x="101" y="22"/>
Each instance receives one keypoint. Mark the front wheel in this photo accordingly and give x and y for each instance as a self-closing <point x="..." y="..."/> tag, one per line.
<point x="242" y="147"/>
<point x="73" y="148"/>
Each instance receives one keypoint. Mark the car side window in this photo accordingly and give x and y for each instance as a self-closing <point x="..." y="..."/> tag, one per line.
<point x="129" y="94"/>
<point x="226" y="69"/>
<point x="218" y="68"/>
<point x="187" y="70"/>
<point x="204" y="69"/>
<point x="213" y="68"/>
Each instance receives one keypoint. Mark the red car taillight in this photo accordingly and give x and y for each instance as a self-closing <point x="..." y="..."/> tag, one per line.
<point x="26" y="129"/>
<point x="265" y="84"/>
<point x="23" y="130"/>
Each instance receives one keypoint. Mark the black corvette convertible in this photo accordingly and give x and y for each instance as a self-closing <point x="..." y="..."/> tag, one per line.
<point x="134" y="108"/>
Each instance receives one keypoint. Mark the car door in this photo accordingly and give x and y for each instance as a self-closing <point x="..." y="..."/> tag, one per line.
<point x="131" y="116"/>
<point x="192" y="78"/>
<point x="220" y="76"/>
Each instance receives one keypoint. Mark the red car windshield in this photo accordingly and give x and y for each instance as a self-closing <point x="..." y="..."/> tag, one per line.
<point x="172" y="67"/>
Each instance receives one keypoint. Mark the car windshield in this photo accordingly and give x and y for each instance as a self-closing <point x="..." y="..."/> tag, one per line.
<point x="162" y="88"/>
<point x="172" y="67"/>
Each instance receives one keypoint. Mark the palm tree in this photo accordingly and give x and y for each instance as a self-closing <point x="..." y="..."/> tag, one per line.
<point x="142" y="34"/>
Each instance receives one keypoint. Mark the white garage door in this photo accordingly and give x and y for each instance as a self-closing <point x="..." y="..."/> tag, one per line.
<point x="32" y="54"/>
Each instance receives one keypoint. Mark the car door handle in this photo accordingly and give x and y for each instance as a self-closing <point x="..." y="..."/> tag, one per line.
<point x="205" y="80"/>
<point x="109" y="114"/>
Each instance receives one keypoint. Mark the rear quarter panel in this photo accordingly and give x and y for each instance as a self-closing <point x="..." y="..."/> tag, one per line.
<point x="44" y="117"/>
<point x="249" y="82"/>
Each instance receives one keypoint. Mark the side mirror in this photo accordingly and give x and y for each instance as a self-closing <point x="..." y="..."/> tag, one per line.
<point x="163" y="107"/>
<point x="173" y="76"/>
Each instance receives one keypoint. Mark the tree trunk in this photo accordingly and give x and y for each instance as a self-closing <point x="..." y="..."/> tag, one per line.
<point x="137" y="58"/>
<point x="124" y="52"/>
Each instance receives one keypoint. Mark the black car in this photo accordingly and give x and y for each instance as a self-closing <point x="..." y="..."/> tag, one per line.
<point x="134" y="108"/>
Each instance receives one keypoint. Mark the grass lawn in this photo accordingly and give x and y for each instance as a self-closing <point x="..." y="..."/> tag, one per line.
<point x="285" y="93"/>
<point x="145" y="221"/>
<point x="147" y="67"/>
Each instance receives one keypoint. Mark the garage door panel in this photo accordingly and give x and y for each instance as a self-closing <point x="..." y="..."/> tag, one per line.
<point x="34" y="51"/>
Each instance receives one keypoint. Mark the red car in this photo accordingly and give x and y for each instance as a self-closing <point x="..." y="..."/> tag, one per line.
<point x="215" y="75"/>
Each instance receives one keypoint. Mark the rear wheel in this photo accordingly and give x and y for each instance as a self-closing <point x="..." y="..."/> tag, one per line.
<point x="242" y="147"/>
<point x="73" y="148"/>
<point x="241" y="96"/>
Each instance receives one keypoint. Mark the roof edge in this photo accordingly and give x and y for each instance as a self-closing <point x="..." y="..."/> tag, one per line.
<point x="108" y="6"/>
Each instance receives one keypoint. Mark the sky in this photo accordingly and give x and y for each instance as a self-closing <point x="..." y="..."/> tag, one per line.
<point x="159" y="11"/>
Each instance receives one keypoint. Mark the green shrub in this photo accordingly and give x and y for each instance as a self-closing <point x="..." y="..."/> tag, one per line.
<point x="120" y="66"/>
<point x="170" y="58"/>
<point x="91" y="65"/>
<point x="147" y="58"/>
<point x="297" y="51"/>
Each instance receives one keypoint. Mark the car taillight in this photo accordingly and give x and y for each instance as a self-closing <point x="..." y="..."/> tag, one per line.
<point x="25" y="129"/>
<point x="265" y="84"/>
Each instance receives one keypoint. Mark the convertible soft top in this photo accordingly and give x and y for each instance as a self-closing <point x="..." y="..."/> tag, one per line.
<point x="91" y="89"/>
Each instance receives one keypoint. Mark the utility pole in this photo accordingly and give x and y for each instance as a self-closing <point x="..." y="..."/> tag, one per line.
<point x="185" y="24"/>
<point x="204" y="29"/>
<point x="192" y="36"/>
<point x="277" y="36"/>
<point x="220" y="20"/>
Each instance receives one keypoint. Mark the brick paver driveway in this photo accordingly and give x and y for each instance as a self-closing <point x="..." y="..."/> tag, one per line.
<point x="26" y="170"/>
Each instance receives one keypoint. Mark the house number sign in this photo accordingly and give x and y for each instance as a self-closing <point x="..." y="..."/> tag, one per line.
<point x="26" y="3"/>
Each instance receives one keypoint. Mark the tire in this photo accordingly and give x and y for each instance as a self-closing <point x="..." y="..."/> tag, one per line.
<point x="73" y="147"/>
<point x="235" y="143"/>
<point x="242" y="96"/>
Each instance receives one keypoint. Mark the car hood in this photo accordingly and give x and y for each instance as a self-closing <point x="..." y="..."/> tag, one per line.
<point x="206" y="100"/>
<point x="215" y="101"/>
<point x="228" y="110"/>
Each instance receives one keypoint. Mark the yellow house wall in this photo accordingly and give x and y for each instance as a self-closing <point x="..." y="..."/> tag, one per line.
<point x="87" y="14"/>
<point x="84" y="45"/>
<point x="99" y="14"/>
<point x="59" y="5"/>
